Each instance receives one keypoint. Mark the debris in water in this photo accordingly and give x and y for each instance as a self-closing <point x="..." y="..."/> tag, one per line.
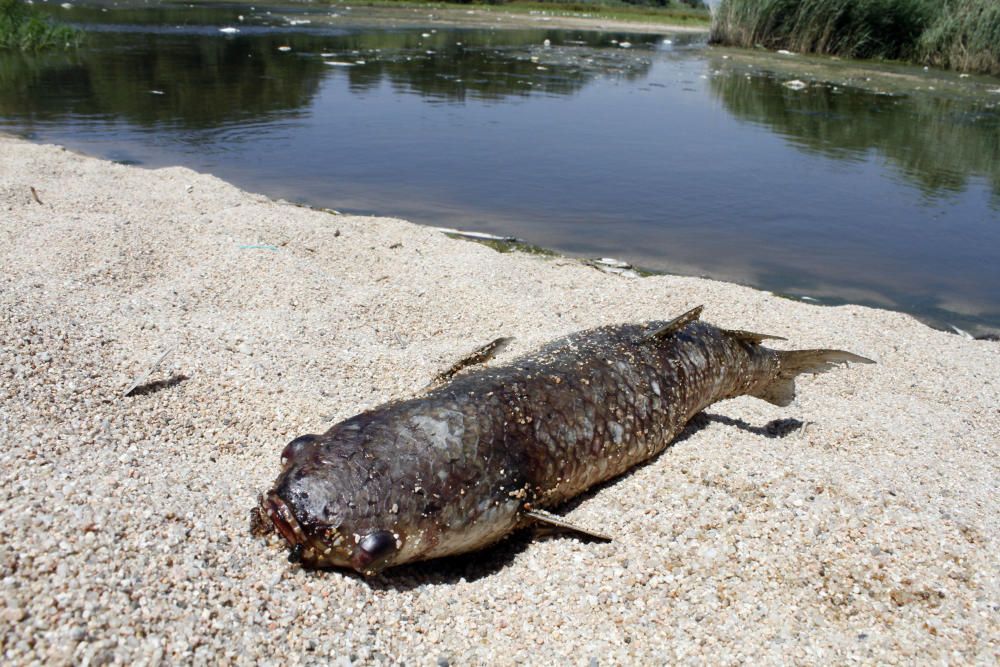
<point x="229" y="30"/>
<point x="962" y="332"/>
<point x="284" y="48"/>
<point x="477" y="235"/>
<point x="795" y="84"/>
<point x="615" y="266"/>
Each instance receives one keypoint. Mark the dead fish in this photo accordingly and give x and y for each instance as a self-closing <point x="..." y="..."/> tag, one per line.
<point x="489" y="450"/>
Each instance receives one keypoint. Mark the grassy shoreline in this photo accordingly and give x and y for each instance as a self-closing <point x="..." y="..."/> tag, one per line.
<point x="957" y="34"/>
<point x="24" y="28"/>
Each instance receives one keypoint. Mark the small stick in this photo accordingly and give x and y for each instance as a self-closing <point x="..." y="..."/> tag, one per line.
<point x="34" y="193"/>
<point x="144" y="376"/>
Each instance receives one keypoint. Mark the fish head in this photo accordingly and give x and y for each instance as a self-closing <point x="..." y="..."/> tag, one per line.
<point x="330" y="508"/>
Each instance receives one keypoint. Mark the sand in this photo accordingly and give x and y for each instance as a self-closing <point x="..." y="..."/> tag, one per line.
<point x="866" y="530"/>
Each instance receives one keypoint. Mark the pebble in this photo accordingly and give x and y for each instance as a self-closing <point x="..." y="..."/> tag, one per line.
<point x="14" y="615"/>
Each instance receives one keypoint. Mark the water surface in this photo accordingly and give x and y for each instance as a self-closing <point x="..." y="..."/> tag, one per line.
<point x="656" y="149"/>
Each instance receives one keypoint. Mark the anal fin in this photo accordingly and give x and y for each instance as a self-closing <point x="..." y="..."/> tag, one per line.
<point x="553" y="520"/>
<point x="751" y="337"/>
<point x="675" y="325"/>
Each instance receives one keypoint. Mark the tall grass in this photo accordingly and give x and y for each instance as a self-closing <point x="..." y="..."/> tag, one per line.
<point x="962" y="34"/>
<point x="25" y="28"/>
<point x="965" y="36"/>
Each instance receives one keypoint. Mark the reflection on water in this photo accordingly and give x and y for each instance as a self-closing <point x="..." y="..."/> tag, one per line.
<point x="171" y="64"/>
<point x="937" y="142"/>
<point x="661" y="151"/>
<point x="194" y="82"/>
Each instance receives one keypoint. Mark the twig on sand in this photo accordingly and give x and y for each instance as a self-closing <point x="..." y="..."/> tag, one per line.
<point x="141" y="379"/>
<point x="34" y="193"/>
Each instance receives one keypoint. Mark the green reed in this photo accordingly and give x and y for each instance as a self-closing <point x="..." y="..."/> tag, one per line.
<point x="965" y="36"/>
<point x="24" y="28"/>
<point x="961" y="34"/>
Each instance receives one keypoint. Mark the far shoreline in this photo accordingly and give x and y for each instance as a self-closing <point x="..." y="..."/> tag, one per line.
<point x="487" y="16"/>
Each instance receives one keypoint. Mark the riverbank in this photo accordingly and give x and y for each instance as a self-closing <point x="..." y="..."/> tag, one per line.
<point x="863" y="531"/>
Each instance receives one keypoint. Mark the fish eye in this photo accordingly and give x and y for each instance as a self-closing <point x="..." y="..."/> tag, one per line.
<point x="293" y="448"/>
<point x="378" y="544"/>
<point x="373" y="548"/>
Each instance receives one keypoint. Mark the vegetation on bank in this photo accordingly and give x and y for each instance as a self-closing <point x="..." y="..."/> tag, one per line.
<point x="674" y="12"/>
<point x="960" y="34"/>
<point x="25" y="28"/>
<point x="965" y="37"/>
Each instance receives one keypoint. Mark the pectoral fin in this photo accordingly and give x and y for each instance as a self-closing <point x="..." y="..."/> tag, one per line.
<point x="550" y="519"/>
<point x="479" y="356"/>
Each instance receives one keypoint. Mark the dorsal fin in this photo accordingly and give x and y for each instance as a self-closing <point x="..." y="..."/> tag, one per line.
<point x="675" y="324"/>
<point x="751" y="337"/>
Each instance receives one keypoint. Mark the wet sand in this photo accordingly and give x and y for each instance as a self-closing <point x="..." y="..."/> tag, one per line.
<point x="866" y="530"/>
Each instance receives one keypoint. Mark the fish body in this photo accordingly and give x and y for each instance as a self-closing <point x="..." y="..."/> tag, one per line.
<point x="460" y="467"/>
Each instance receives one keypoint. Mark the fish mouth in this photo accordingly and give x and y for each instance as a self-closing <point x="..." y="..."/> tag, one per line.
<point x="283" y="519"/>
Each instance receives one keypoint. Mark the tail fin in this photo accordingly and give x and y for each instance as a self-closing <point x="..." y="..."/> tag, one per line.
<point x="781" y="390"/>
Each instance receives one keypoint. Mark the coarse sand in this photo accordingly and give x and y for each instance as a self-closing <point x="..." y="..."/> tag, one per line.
<point x="859" y="524"/>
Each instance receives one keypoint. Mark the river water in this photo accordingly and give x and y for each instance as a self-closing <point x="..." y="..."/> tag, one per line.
<point x="877" y="186"/>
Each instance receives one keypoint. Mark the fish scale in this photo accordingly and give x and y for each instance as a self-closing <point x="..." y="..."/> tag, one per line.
<point x="461" y="466"/>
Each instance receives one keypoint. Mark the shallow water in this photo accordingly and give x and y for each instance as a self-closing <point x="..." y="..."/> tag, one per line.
<point x="670" y="154"/>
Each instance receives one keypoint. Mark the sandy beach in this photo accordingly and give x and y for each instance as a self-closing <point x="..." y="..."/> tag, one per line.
<point x="864" y="531"/>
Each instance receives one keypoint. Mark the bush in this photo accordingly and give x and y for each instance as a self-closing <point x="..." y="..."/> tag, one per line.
<point x="25" y="28"/>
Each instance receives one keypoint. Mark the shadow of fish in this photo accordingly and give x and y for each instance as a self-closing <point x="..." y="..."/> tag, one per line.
<point x="489" y="450"/>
